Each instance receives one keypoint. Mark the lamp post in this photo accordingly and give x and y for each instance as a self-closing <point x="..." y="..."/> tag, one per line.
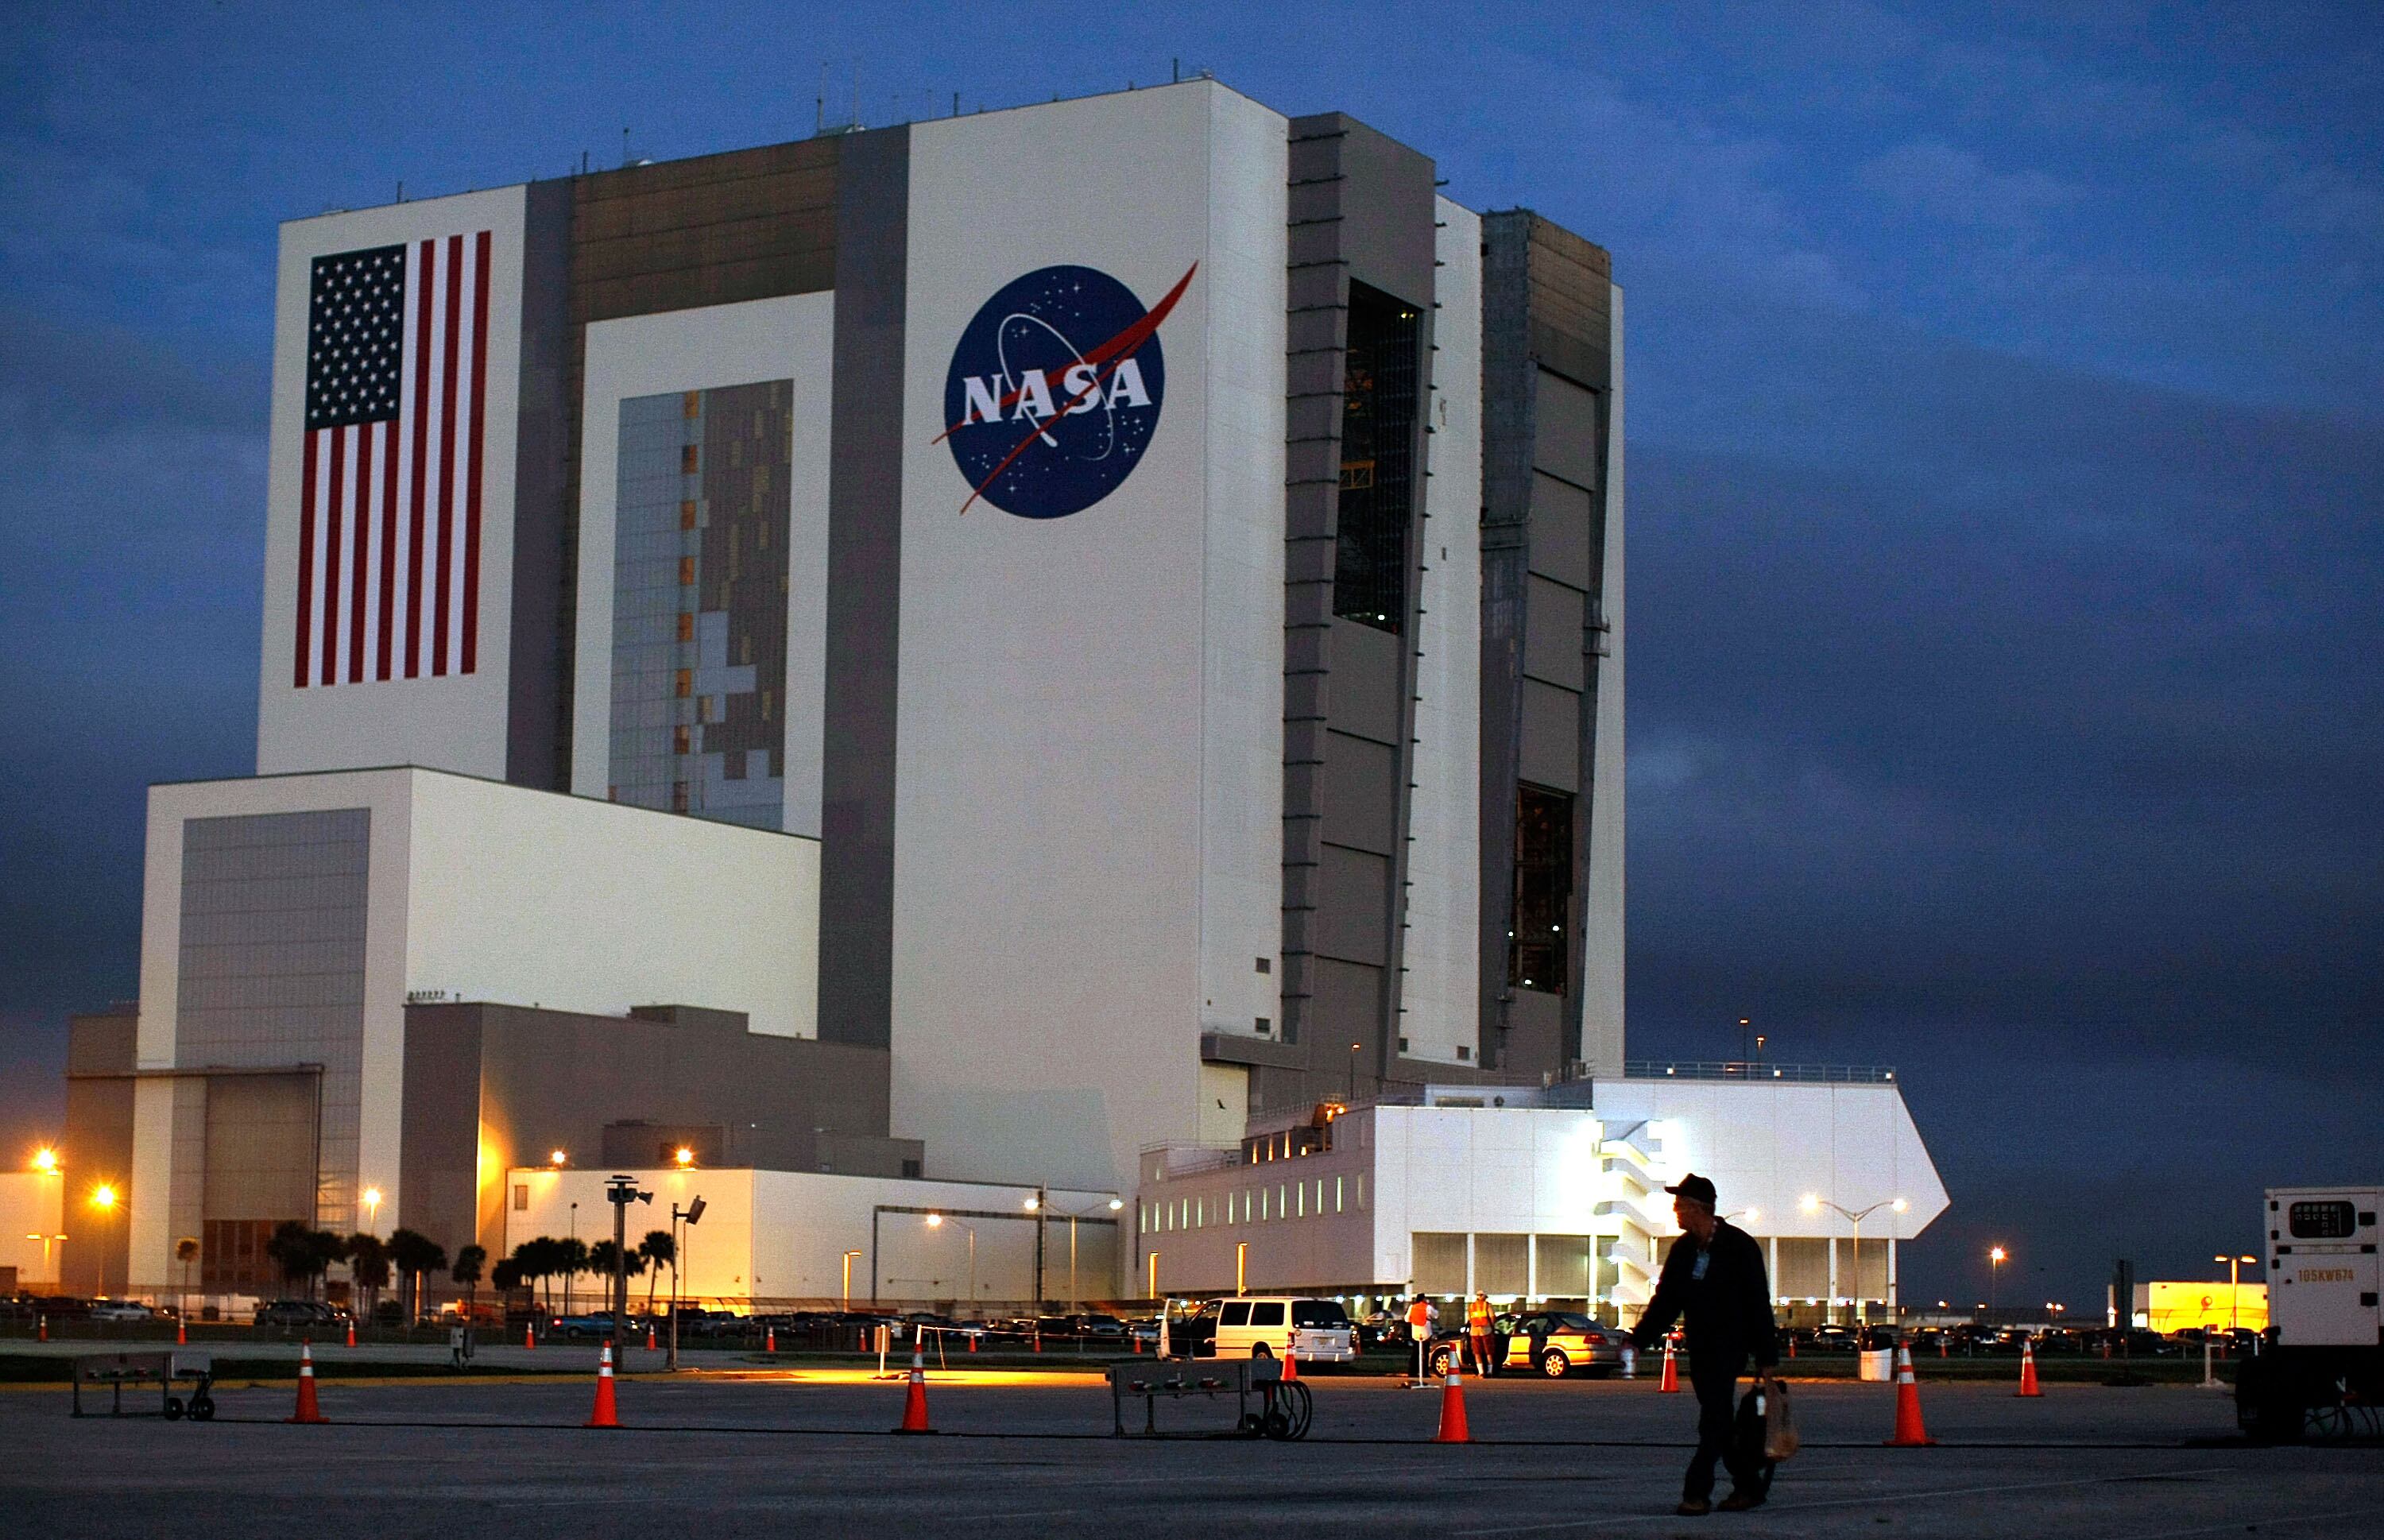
<point x="1815" y="1203"/>
<point x="1072" y="1216"/>
<point x="1996" y="1256"/>
<point x="682" y="1224"/>
<point x="569" y="1271"/>
<point x="1353" y="1070"/>
<point x="2235" y="1288"/>
<point x="1037" y="1202"/>
<point x="936" y="1222"/>
<point x="621" y="1191"/>
<point x="848" y="1257"/>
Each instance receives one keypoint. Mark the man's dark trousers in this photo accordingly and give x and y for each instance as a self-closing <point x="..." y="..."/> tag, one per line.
<point x="1715" y="1379"/>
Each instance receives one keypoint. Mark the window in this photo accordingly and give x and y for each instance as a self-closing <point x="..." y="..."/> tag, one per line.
<point x="1236" y="1312"/>
<point x="1537" y="955"/>
<point x="1266" y="965"/>
<point x="521" y="1196"/>
<point x="688" y="462"/>
<point x="1266" y="1313"/>
<point x="684" y="683"/>
<point x="2319" y="1221"/>
<point x="686" y="626"/>
<point x="1264" y="1024"/>
<point x="1378" y="422"/>
<point x="686" y="572"/>
<point x="1317" y="1313"/>
<point x="1303" y="1201"/>
<point x="1337" y="1195"/>
<point x="687" y="513"/>
<point x="1264" y="1204"/>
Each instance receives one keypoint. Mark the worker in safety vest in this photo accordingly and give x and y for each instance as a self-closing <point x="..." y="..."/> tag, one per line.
<point x="1422" y="1314"/>
<point x="1477" y="1327"/>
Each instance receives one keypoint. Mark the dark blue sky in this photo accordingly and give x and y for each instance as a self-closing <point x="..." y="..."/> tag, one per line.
<point x="2004" y="468"/>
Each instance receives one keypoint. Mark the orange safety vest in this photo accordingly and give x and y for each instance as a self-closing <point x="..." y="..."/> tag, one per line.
<point x="1420" y="1315"/>
<point x="1477" y="1316"/>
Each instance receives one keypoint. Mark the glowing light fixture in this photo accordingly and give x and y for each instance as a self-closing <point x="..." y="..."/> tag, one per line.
<point x="1033" y="1202"/>
<point x="46" y="1161"/>
<point x="684" y="1156"/>
<point x="557" y="1158"/>
<point x="104" y="1195"/>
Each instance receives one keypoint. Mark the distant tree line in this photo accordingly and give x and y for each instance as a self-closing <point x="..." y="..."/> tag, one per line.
<point x="304" y="1255"/>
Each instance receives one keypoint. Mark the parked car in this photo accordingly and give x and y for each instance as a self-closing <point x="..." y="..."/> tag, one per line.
<point x="122" y="1311"/>
<point x="1554" y="1343"/>
<point x="592" y="1324"/>
<point x="298" y="1315"/>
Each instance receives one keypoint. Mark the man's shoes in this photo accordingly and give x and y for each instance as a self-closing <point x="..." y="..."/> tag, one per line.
<point x="1739" y="1502"/>
<point x="1694" y="1508"/>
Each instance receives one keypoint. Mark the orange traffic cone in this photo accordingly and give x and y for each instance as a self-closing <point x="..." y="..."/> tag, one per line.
<point x="1453" y="1429"/>
<point x="914" y="1399"/>
<point x="1671" y="1372"/>
<point x="351" y="1331"/>
<point x="649" y="1336"/>
<point x="607" y="1414"/>
<point x="1290" y="1364"/>
<point x="181" y="1333"/>
<point x="972" y="1339"/>
<point x="42" y="1327"/>
<point x="1909" y="1434"/>
<point x="1941" y="1348"/>
<point x="309" y="1409"/>
<point x="770" y="1339"/>
<point x="529" y="1335"/>
<point x="2027" y="1370"/>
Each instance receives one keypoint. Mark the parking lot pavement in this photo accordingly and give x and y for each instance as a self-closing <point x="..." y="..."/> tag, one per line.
<point x="1031" y="1458"/>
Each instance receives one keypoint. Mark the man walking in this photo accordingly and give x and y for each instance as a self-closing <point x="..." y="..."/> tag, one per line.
<point x="1714" y="1279"/>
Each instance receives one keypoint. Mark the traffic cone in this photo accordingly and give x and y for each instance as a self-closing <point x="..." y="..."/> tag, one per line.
<point x="1453" y="1429"/>
<point x="1671" y="1372"/>
<point x="2027" y="1385"/>
<point x="914" y="1399"/>
<point x="309" y="1409"/>
<point x="1290" y="1364"/>
<point x="181" y="1333"/>
<point x="770" y="1339"/>
<point x="529" y="1334"/>
<point x="649" y="1336"/>
<point x="1941" y="1348"/>
<point x="973" y="1336"/>
<point x="1909" y="1434"/>
<point x="42" y="1327"/>
<point x="351" y="1331"/>
<point x="607" y="1414"/>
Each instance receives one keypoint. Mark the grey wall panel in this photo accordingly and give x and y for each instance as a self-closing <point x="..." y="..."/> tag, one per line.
<point x="541" y="477"/>
<point x="439" y="1149"/>
<point x="260" y="1146"/>
<point x="1361" y="794"/>
<point x="1349" y="1001"/>
<point x="271" y="969"/>
<point x="1552" y="634"/>
<point x="864" y="586"/>
<point x="1365" y="689"/>
<point x="1535" y="1027"/>
<point x="1565" y="441"/>
<point x="1562" y="515"/>
<point x="1551" y="740"/>
<point x="1351" y="920"/>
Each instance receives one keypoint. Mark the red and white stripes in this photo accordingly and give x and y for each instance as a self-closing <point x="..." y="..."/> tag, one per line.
<point x="388" y="519"/>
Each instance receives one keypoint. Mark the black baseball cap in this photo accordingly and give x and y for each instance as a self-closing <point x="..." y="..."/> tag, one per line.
<point x="1695" y="1188"/>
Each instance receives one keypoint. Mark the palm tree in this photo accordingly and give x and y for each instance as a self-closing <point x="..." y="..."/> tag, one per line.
<point x="660" y="1252"/>
<point x="469" y="1264"/>
<point x="605" y="1259"/>
<point x="368" y="1268"/>
<point x="538" y="1261"/>
<point x="302" y="1254"/>
<point x="413" y="1254"/>
<point x="571" y="1258"/>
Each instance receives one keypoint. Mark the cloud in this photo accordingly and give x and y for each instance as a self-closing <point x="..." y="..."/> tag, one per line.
<point x="1957" y="186"/>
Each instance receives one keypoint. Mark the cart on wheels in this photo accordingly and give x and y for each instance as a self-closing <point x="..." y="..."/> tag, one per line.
<point x="164" y="1370"/>
<point x="1265" y="1405"/>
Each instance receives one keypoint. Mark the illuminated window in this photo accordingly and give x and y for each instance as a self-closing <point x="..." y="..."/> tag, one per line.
<point x="1337" y="1195"/>
<point x="685" y="683"/>
<point x="687" y="513"/>
<point x="686" y="626"/>
<point x="686" y="572"/>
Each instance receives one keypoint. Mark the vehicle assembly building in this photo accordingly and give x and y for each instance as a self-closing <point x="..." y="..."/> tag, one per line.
<point x="976" y="657"/>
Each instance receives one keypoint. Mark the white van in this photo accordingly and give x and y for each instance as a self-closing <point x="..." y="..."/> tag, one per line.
<point x="1268" y="1325"/>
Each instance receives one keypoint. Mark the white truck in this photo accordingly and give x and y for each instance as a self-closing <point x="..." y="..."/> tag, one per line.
<point x="2320" y="1372"/>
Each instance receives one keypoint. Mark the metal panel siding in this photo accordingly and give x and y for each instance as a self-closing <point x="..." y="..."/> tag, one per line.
<point x="1552" y="634"/>
<point x="272" y="965"/>
<point x="1360" y="793"/>
<point x="864" y="583"/>
<point x="1562" y="515"/>
<point x="1551" y="741"/>
<point x="1351" y="920"/>
<point x="1565" y="436"/>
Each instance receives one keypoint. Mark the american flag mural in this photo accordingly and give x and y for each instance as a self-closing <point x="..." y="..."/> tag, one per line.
<point x="389" y="512"/>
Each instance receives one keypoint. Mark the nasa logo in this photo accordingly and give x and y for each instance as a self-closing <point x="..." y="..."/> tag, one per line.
<point x="1055" y="388"/>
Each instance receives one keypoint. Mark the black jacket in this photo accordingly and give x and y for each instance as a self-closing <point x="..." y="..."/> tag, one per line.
<point x="1727" y="1312"/>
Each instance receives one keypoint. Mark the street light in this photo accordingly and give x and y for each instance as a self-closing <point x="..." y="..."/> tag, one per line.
<point x="1815" y="1203"/>
<point x="1996" y="1256"/>
<point x="46" y="1161"/>
<point x="683" y="1157"/>
<point x="621" y="1191"/>
<point x="686" y="1216"/>
<point x="936" y="1222"/>
<point x="848" y="1257"/>
<point x="1353" y="1070"/>
<point x="557" y="1158"/>
<point x="2234" y="1287"/>
<point x="1040" y="1206"/>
